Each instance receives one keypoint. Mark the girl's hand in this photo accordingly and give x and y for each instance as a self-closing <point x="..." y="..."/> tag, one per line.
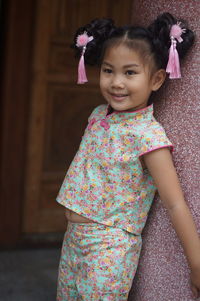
<point x="195" y="282"/>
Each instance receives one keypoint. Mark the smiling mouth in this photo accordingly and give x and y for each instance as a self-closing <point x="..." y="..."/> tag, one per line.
<point x="118" y="97"/>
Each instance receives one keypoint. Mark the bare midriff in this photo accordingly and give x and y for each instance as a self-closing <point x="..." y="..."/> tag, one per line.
<point x="73" y="217"/>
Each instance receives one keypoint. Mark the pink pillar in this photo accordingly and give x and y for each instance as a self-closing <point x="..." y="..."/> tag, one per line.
<point x="163" y="273"/>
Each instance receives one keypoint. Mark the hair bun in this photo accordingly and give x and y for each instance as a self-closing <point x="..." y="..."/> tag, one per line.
<point x="100" y="29"/>
<point x="160" y="32"/>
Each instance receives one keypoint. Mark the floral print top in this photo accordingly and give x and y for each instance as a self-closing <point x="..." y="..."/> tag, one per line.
<point x="106" y="181"/>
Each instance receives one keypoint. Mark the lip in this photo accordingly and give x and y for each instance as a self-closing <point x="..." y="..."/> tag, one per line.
<point x="118" y="96"/>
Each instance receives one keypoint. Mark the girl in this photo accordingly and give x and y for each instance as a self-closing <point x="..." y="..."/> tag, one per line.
<point x="123" y="158"/>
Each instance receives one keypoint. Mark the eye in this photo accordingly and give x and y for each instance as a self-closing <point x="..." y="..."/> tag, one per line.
<point x="130" y="72"/>
<point x="106" y="70"/>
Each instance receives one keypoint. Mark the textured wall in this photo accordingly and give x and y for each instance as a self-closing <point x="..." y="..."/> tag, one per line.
<point x="163" y="273"/>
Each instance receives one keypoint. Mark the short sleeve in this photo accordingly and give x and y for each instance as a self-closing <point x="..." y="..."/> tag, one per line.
<point x="152" y="138"/>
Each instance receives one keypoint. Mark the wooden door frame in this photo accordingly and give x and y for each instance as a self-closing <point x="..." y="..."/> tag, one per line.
<point x="18" y="29"/>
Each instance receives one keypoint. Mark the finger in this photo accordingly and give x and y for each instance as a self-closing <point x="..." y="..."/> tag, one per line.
<point x="194" y="291"/>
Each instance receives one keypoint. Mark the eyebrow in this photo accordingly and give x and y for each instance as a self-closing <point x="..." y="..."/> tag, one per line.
<point x="125" y="66"/>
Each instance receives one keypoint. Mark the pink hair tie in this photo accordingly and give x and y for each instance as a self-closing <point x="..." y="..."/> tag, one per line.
<point x="173" y="65"/>
<point x="82" y="41"/>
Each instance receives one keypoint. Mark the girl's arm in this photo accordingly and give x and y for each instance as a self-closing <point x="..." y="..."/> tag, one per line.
<point x="161" y="167"/>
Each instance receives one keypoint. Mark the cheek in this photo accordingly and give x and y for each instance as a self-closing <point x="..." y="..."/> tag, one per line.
<point x="103" y="83"/>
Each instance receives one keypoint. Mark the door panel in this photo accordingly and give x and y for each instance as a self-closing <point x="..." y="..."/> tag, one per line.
<point x="59" y="108"/>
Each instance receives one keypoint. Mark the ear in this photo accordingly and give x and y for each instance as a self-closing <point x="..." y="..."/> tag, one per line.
<point x="158" y="79"/>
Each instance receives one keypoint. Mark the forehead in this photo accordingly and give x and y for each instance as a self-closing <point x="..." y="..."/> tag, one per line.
<point x="122" y="55"/>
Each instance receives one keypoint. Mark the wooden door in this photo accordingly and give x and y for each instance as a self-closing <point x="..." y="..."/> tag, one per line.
<point x="59" y="108"/>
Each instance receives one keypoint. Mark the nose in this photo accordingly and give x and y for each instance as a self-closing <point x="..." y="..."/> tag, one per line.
<point x="117" y="81"/>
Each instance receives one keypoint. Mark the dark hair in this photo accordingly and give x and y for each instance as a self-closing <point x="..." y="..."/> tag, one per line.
<point x="152" y="42"/>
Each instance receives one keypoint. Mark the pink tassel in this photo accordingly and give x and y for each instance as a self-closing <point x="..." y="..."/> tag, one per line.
<point x="173" y="66"/>
<point x="82" y="78"/>
<point x="82" y="41"/>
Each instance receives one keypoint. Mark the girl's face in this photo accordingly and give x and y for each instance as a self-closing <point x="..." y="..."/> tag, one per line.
<point x="125" y="80"/>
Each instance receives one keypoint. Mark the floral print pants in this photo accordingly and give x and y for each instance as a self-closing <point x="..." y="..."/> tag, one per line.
<point x="97" y="263"/>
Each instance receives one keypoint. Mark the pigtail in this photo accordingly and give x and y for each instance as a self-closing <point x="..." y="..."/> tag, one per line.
<point x="166" y="46"/>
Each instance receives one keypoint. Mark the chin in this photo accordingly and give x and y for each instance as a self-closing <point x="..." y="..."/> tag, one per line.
<point x="120" y="107"/>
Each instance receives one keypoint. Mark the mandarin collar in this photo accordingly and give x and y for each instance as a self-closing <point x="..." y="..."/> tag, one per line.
<point x="138" y="114"/>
